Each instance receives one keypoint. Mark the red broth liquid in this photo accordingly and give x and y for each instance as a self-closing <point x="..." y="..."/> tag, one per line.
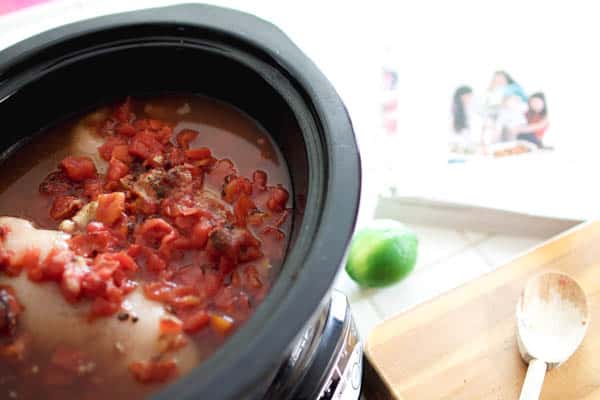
<point x="234" y="147"/>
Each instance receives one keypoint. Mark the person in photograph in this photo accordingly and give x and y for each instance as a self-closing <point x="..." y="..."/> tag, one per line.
<point x="464" y="120"/>
<point x="511" y="116"/>
<point x="537" y="121"/>
<point x="505" y="99"/>
<point x="501" y="86"/>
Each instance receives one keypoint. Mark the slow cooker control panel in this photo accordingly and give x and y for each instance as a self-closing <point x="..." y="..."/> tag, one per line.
<point x="345" y="377"/>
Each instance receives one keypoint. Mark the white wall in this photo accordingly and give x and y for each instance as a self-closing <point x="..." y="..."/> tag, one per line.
<point x="548" y="46"/>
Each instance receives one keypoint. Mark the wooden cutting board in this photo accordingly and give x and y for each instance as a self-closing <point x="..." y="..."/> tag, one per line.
<point x="462" y="345"/>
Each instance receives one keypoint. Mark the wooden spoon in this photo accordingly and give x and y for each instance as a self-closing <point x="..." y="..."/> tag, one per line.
<point x="552" y="319"/>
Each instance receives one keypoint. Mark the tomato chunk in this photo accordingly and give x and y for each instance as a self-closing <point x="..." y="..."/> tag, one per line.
<point x="152" y="231"/>
<point x="106" y="150"/>
<point x="185" y="137"/>
<point x="170" y="326"/>
<point x="78" y="168"/>
<point x="110" y="207"/>
<point x="278" y="200"/>
<point x="125" y="129"/>
<point x="145" y="146"/>
<point x="65" y="207"/>
<point x="153" y="371"/>
<point x="199" y="153"/>
<point x="196" y="322"/>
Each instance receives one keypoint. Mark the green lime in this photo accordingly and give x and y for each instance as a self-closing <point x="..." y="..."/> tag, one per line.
<point x="382" y="253"/>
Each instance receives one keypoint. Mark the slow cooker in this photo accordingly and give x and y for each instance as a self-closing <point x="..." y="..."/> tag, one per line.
<point x="301" y="343"/>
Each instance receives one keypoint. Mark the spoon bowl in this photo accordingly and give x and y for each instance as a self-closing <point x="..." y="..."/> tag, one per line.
<point x="552" y="319"/>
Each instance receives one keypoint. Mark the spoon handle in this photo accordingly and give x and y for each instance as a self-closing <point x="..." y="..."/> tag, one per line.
<point x="532" y="386"/>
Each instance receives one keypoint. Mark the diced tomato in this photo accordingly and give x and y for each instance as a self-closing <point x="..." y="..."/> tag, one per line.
<point x="185" y="137"/>
<point x="235" y="187"/>
<point x="220" y="170"/>
<point x="92" y="285"/>
<point x="95" y="226"/>
<point x="226" y="265"/>
<point x="259" y="178"/>
<point x="200" y="233"/>
<point x="116" y="170"/>
<point x="134" y="250"/>
<point x="71" y="282"/>
<point x="152" y="231"/>
<point x="98" y="241"/>
<point x="145" y="146"/>
<point x="273" y="232"/>
<point x="213" y="281"/>
<point x="167" y="249"/>
<point x="170" y="326"/>
<point x="125" y="129"/>
<point x="282" y="218"/>
<point x="153" y="371"/>
<point x="31" y="258"/>
<point x="145" y="207"/>
<point x="155" y="124"/>
<point x="155" y="263"/>
<point x="185" y="221"/>
<point x="123" y="111"/>
<point x="278" y="200"/>
<point x="78" y="168"/>
<point x="159" y="291"/>
<point x="106" y="150"/>
<point x="103" y="308"/>
<point x="92" y="188"/>
<point x="190" y="275"/>
<point x="198" y="153"/>
<point x="221" y="323"/>
<point x="121" y="153"/>
<point x="242" y="208"/>
<point x="64" y="207"/>
<point x="250" y="253"/>
<point x="127" y="263"/>
<point x="105" y="265"/>
<point x="175" y="156"/>
<point x="55" y="262"/>
<point x="252" y="277"/>
<point x="196" y="322"/>
<point x="256" y="217"/>
<point x="141" y="124"/>
<point x="164" y="134"/>
<point x="110" y="207"/>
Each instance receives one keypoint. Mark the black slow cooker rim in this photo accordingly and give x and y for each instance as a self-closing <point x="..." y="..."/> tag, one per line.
<point x="340" y="203"/>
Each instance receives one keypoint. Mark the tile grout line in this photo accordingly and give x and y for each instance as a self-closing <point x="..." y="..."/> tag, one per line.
<point x="456" y="252"/>
<point x="491" y="265"/>
<point x="380" y="313"/>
